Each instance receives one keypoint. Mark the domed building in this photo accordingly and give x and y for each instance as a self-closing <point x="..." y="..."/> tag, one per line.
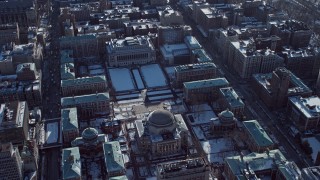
<point x="89" y="141"/>
<point x="224" y="122"/>
<point x="162" y="133"/>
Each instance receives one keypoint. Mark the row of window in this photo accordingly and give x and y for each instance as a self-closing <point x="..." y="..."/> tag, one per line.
<point x="132" y="56"/>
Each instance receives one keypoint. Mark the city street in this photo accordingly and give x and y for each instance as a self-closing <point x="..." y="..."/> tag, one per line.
<point x="51" y="95"/>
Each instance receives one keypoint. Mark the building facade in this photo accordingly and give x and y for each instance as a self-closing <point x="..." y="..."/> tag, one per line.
<point x="85" y="85"/>
<point x="271" y="164"/>
<point x="162" y="133"/>
<point x="194" y="72"/>
<point x="203" y="90"/>
<point x="224" y="122"/>
<point x="229" y="99"/>
<point x="82" y="46"/>
<point x="169" y="17"/>
<point x="88" y="105"/>
<point x="188" y="169"/>
<point x="90" y="143"/>
<point x="17" y="11"/>
<point x="304" y="62"/>
<point x="294" y="33"/>
<point x="130" y="51"/>
<point x="275" y="88"/>
<point x="246" y="60"/>
<point x="310" y="173"/>
<point x="14" y="121"/>
<point x="9" y="33"/>
<point x="173" y="34"/>
<point x="26" y="71"/>
<point x="304" y="112"/>
<point x="10" y="162"/>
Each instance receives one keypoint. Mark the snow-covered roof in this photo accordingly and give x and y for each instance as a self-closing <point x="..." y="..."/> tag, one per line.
<point x="309" y="107"/>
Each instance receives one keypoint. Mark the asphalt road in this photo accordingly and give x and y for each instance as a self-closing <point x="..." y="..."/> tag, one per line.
<point x="51" y="96"/>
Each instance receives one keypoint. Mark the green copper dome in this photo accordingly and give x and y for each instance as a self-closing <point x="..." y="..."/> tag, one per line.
<point x="89" y="134"/>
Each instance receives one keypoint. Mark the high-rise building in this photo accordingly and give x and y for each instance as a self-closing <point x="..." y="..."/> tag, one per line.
<point x="280" y="82"/>
<point x="294" y="33"/>
<point x="246" y="59"/>
<point x="14" y="117"/>
<point x="304" y="62"/>
<point x="211" y="18"/>
<point x="275" y="88"/>
<point x="10" y="162"/>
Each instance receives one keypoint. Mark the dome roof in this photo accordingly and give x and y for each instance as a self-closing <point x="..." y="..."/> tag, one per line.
<point x="226" y="117"/>
<point x="89" y="134"/>
<point x="227" y="114"/>
<point x="161" y="118"/>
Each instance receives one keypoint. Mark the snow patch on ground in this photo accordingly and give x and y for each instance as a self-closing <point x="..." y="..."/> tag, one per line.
<point x="218" y="149"/>
<point x="203" y="117"/>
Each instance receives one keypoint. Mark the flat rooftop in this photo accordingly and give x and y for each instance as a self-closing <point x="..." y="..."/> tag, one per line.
<point x="217" y="82"/>
<point x="77" y="100"/>
<point x="83" y="81"/>
<point x="309" y="107"/>
<point x="195" y="67"/>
